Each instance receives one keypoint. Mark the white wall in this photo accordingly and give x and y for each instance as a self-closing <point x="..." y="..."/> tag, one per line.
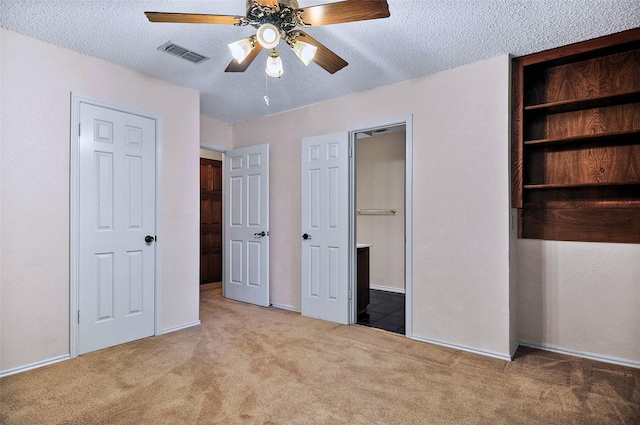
<point x="37" y="80"/>
<point x="581" y="297"/>
<point x="380" y="171"/>
<point x="460" y="198"/>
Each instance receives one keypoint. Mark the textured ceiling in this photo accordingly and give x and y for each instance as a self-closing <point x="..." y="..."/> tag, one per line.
<point x="420" y="37"/>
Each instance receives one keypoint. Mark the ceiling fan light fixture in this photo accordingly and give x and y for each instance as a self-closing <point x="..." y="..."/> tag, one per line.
<point x="268" y="36"/>
<point x="274" y="65"/>
<point x="305" y="51"/>
<point x="241" y="49"/>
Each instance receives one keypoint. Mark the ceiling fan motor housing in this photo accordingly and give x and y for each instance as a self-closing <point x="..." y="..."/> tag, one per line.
<point x="286" y="17"/>
<point x="292" y="4"/>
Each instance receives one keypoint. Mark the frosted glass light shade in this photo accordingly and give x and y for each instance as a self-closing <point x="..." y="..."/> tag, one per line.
<point x="268" y="36"/>
<point x="274" y="65"/>
<point x="305" y="51"/>
<point x="240" y="49"/>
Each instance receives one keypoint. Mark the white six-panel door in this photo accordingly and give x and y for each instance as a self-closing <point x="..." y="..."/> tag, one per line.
<point x="116" y="212"/>
<point x="325" y="227"/>
<point x="246" y="253"/>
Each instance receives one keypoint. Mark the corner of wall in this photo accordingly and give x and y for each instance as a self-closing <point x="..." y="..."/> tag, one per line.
<point x="215" y="134"/>
<point x="513" y="235"/>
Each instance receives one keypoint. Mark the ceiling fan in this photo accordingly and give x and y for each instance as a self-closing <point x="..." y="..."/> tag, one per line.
<point x="279" y="20"/>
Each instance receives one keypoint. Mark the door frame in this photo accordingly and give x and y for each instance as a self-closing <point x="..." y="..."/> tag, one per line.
<point x="74" y="236"/>
<point x="222" y="150"/>
<point x="407" y="121"/>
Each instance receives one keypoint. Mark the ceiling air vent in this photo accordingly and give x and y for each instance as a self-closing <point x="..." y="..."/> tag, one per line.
<point x="181" y="52"/>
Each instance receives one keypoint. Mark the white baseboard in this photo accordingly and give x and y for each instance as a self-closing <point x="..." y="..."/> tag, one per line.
<point x="35" y="365"/>
<point x="387" y="289"/>
<point x="285" y="307"/>
<point x="179" y="328"/>
<point x="585" y="355"/>
<point x="493" y="354"/>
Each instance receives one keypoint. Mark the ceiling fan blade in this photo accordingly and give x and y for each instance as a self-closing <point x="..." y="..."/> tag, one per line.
<point x="194" y="18"/>
<point x="344" y="11"/>
<point x="234" y="66"/>
<point x="324" y="57"/>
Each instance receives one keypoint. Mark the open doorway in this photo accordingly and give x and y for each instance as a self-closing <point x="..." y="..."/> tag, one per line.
<point x="380" y="228"/>
<point x="385" y="219"/>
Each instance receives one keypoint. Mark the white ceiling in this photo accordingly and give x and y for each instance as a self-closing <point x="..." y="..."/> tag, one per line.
<point x="420" y="37"/>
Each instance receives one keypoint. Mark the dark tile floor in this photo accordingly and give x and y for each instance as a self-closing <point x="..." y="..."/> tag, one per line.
<point x="385" y="311"/>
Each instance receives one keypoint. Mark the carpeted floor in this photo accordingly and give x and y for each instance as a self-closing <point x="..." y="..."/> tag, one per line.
<point x="251" y="365"/>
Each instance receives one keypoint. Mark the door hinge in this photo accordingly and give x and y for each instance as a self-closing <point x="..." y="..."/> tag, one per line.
<point x="79" y="129"/>
<point x="350" y="152"/>
<point x="350" y="294"/>
<point x="78" y="316"/>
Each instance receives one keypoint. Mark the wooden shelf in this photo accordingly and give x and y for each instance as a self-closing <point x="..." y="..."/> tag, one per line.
<point x="553" y="141"/>
<point x="614" y="136"/>
<point x="587" y="103"/>
<point x="577" y="185"/>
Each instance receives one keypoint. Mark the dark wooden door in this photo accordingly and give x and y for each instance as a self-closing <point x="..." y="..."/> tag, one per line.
<point x="363" y="279"/>
<point x="210" y="220"/>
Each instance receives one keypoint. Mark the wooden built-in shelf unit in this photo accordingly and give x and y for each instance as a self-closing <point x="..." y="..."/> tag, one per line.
<point x="576" y="141"/>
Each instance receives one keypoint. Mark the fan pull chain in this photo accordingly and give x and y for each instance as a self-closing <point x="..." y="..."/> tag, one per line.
<point x="266" y="89"/>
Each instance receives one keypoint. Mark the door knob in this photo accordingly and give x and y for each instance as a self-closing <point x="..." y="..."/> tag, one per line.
<point x="263" y="233"/>
<point x="148" y="239"/>
<point x="306" y="236"/>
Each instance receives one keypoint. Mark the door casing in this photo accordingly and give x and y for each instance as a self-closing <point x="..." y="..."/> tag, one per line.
<point x="407" y="121"/>
<point x="76" y="100"/>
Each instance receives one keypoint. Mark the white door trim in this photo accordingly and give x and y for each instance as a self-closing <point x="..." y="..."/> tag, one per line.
<point x="406" y="120"/>
<point x="212" y="147"/>
<point x="76" y="100"/>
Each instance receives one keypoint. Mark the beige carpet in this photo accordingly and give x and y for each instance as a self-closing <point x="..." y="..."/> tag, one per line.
<point x="251" y="365"/>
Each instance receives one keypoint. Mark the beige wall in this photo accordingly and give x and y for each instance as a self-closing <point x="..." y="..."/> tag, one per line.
<point x="205" y="153"/>
<point x="380" y="185"/>
<point x="37" y="80"/>
<point x="215" y="133"/>
<point x="580" y="297"/>
<point x="460" y="196"/>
